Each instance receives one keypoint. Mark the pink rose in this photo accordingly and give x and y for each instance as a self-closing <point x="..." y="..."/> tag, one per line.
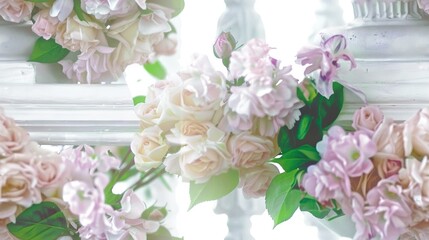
<point x="16" y="10"/>
<point x="255" y="181"/>
<point x="44" y="25"/>
<point x="416" y="134"/>
<point x="249" y="151"/>
<point x="50" y="170"/>
<point x="91" y="66"/>
<point x="12" y="138"/>
<point x="18" y="184"/>
<point x="367" y="119"/>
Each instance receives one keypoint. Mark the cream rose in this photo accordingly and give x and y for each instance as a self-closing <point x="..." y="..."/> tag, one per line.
<point x="13" y="139"/>
<point x="16" y="10"/>
<point x="148" y="113"/>
<point x="200" y="96"/>
<point x="367" y="119"/>
<point x="255" y="181"/>
<point x="134" y="47"/>
<point x="77" y="35"/>
<point x="389" y="138"/>
<point x="249" y="150"/>
<point x="416" y="134"/>
<point x="415" y="177"/>
<point x="199" y="161"/>
<point x="188" y="132"/>
<point x="149" y="148"/>
<point x="18" y="184"/>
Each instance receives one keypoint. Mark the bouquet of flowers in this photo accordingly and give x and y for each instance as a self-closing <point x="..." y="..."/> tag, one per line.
<point x="105" y="36"/>
<point x="46" y="195"/>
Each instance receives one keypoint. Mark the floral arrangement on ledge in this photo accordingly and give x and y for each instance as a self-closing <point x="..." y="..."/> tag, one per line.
<point x="46" y="195"/>
<point x="258" y="128"/>
<point x="95" y="40"/>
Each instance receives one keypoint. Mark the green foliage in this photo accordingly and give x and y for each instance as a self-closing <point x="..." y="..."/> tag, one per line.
<point x="47" y="51"/>
<point x="156" y="69"/>
<point x="304" y="126"/>
<point x="162" y="234"/>
<point x="298" y="158"/>
<point x="282" y="200"/>
<point x="139" y="99"/>
<point x="215" y="188"/>
<point x="329" y="109"/>
<point x="78" y="10"/>
<point x="311" y="205"/>
<point x="176" y="5"/>
<point x="43" y="221"/>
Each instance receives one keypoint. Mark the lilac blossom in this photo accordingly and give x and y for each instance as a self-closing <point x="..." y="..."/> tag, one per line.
<point x="325" y="59"/>
<point x="61" y="9"/>
<point x="326" y="181"/>
<point x="353" y="150"/>
<point x="388" y="210"/>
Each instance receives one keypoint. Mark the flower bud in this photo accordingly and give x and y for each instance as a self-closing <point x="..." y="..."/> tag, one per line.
<point x="224" y="45"/>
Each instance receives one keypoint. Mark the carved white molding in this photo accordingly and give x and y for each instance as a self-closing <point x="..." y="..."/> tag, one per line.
<point x="381" y="10"/>
<point x="72" y="114"/>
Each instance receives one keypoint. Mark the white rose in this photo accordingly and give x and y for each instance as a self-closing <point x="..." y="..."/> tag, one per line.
<point x="200" y="161"/>
<point x="149" y="148"/>
<point x="249" y="150"/>
<point x="415" y="176"/>
<point x="133" y="47"/>
<point x="77" y="35"/>
<point x="416" y="134"/>
<point x="186" y="132"/>
<point x="201" y="95"/>
<point x="255" y="181"/>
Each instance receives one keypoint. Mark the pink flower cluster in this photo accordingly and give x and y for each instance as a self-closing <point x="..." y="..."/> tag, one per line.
<point x="378" y="174"/>
<point x="75" y="180"/>
<point x="28" y="173"/>
<point x="200" y="123"/>
<point x="113" y="35"/>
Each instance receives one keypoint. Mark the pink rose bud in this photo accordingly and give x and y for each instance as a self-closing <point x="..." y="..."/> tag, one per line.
<point x="224" y="45"/>
<point x="367" y="119"/>
<point x="424" y="5"/>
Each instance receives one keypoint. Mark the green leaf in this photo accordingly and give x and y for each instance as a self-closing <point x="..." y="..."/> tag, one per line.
<point x="156" y="69"/>
<point x="215" y="188"/>
<point x="298" y="158"/>
<point x="329" y="109"/>
<point x="139" y="99"/>
<point x="304" y="126"/>
<point x="47" y="51"/>
<point x="284" y="139"/>
<point x="311" y="205"/>
<point x="176" y="5"/>
<point x="281" y="200"/>
<point x="161" y="234"/>
<point x="78" y="10"/>
<point x="43" y="221"/>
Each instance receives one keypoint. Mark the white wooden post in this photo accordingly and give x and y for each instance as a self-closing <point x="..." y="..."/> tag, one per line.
<point x="240" y="19"/>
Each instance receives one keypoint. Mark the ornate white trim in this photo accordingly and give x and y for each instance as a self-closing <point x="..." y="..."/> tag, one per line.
<point x="72" y="114"/>
<point x="380" y="10"/>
